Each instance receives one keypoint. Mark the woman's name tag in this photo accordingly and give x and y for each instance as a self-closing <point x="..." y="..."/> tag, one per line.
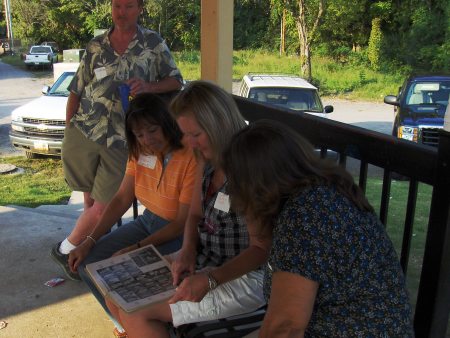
<point x="222" y="202"/>
<point x="147" y="161"/>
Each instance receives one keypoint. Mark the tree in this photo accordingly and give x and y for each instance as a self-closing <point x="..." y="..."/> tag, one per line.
<point x="307" y="24"/>
<point x="181" y="27"/>
<point x="375" y="41"/>
<point x="27" y="18"/>
<point x="345" y="28"/>
<point x="307" y="16"/>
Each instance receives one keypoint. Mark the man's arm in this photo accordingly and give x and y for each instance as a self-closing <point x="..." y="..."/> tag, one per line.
<point x="165" y="85"/>
<point x="73" y="102"/>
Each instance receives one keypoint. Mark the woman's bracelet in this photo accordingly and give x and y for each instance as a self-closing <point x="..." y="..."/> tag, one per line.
<point x="92" y="239"/>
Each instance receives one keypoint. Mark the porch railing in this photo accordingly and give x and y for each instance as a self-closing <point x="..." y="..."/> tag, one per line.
<point x="416" y="162"/>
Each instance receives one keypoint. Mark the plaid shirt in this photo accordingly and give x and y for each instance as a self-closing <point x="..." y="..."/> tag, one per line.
<point x="223" y="235"/>
<point x="100" y="116"/>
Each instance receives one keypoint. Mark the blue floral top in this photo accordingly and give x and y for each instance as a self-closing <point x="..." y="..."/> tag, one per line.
<point x="322" y="236"/>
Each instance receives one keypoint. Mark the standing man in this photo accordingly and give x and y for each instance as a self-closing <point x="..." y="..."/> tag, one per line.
<point x="94" y="151"/>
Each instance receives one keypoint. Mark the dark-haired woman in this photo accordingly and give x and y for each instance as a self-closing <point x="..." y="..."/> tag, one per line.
<point x="332" y="270"/>
<point x="160" y="173"/>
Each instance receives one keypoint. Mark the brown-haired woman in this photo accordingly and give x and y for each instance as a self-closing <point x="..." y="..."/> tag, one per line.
<point x="332" y="270"/>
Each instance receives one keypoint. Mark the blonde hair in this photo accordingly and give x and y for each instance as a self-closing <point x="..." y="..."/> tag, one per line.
<point x="214" y="110"/>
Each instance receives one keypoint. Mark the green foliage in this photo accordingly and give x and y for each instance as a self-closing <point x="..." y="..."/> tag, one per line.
<point x="353" y="79"/>
<point x="41" y="182"/>
<point x="345" y="27"/>
<point x="415" y="34"/>
<point x="250" y="30"/>
<point x="375" y="42"/>
<point x="180" y="28"/>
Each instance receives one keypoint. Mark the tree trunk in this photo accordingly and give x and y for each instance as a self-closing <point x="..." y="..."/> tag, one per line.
<point x="283" y="33"/>
<point x="306" y="36"/>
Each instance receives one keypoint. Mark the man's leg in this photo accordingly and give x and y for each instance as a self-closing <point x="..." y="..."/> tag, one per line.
<point x="87" y="220"/>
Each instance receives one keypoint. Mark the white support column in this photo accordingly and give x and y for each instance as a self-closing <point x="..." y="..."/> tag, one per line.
<point x="217" y="42"/>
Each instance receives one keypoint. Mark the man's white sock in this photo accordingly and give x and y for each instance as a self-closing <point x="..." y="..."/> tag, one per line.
<point x="66" y="247"/>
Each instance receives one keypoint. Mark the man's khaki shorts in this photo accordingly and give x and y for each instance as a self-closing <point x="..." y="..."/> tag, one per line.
<point x="91" y="167"/>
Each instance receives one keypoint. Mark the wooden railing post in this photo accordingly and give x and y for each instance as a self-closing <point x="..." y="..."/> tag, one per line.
<point x="433" y="300"/>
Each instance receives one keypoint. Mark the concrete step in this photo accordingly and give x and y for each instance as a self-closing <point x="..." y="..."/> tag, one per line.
<point x="72" y="210"/>
<point x="51" y="210"/>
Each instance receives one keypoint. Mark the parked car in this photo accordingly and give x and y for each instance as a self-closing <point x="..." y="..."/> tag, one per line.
<point x="38" y="126"/>
<point x="420" y="108"/>
<point x="41" y="56"/>
<point x="287" y="91"/>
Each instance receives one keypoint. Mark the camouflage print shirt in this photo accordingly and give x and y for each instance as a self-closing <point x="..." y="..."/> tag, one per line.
<point x="100" y="116"/>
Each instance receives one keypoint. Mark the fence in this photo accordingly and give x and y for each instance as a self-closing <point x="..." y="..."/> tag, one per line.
<point x="416" y="162"/>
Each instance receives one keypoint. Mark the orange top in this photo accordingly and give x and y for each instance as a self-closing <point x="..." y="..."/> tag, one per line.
<point x="160" y="189"/>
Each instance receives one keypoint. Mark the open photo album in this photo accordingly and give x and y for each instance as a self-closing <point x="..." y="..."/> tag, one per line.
<point x="134" y="279"/>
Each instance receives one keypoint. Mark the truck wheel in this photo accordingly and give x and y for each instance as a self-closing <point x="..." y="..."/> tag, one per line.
<point x="30" y="155"/>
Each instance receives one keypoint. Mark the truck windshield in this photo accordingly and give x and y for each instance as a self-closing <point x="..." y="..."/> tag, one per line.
<point x="60" y="88"/>
<point x="292" y="98"/>
<point x="40" y="49"/>
<point x="429" y="93"/>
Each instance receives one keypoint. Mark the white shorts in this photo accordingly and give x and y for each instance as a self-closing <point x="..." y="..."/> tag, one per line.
<point x="239" y="296"/>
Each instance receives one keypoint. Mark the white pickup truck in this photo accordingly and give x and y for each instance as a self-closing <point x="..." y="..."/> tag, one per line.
<point x="41" y="56"/>
<point x="38" y="126"/>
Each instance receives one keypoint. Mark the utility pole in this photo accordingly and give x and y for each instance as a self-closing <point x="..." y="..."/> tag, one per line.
<point x="9" y="24"/>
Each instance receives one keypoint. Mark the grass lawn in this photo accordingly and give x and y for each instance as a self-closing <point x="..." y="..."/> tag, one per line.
<point x="396" y="219"/>
<point x="39" y="182"/>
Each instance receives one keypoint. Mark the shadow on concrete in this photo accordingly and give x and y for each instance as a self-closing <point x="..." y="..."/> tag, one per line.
<point x="26" y="238"/>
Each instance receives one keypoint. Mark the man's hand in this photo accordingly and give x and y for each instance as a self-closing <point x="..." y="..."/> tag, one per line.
<point x="77" y="255"/>
<point x="138" y="86"/>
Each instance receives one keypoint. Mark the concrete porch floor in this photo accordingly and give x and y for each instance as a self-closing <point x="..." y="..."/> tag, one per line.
<point x="30" y="308"/>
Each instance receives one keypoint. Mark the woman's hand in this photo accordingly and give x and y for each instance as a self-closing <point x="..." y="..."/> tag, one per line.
<point x="192" y="289"/>
<point x="77" y="255"/>
<point x="183" y="265"/>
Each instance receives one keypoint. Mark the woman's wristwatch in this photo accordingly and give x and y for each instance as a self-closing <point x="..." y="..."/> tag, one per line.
<point x="212" y="282"/>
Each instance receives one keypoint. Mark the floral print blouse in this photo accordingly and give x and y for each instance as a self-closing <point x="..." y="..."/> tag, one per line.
<point x="324" y="237"/>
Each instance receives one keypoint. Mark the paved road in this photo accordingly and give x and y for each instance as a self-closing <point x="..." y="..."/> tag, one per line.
<point x="18" y="87"/>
